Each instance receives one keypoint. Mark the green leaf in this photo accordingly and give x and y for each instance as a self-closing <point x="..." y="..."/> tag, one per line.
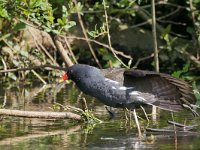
<point x="20" y="26"/>
<point x="92" y="33"/>
<point x="60" y="21"/>
<point x="178" y="73"/>
<point x="12" y="76"/>
<point x="4" y="13"/>
<point x="24" y="53"/>
<point x="64" y="9"/>
<point x="69" y="25"/>
<point x="15" y="62"/>
<point x="196" y="91"/>
<point x="129" y="63"/>
<point x="190" y="30"/>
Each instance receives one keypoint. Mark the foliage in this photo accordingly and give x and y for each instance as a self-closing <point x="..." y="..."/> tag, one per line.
<point x="178" y="35"/>
<point x="40" y="12"/>
<point x="196" y="92"/>
<point x="178" y="73"/>
<point x="20" y="15"/>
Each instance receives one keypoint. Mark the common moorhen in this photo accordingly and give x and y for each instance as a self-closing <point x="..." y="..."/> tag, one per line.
<point x="132" y="88"/>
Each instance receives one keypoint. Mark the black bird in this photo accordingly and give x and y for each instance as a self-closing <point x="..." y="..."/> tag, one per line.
<point x="118" y="87"/>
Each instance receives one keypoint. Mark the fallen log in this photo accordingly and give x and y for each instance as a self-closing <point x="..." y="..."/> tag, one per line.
<point x="38" y="114"/>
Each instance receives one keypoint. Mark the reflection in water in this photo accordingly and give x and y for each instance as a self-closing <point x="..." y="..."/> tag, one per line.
<point x="21" y="133"/>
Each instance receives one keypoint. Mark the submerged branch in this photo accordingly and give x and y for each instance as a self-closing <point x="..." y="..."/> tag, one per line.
<point x="185" y="127"/>
<point x="37" y="114"/>
<point x="38" y="134"/>
<point x="169" y="132"/>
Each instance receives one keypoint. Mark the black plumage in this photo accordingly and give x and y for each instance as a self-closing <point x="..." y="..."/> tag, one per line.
<point x="132" y="88"/>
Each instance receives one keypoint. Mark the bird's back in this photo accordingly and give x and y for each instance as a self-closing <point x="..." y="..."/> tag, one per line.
<point x="170" y="93"/>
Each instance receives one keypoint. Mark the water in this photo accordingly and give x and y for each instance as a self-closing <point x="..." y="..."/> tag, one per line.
<point x="24" y="133"/>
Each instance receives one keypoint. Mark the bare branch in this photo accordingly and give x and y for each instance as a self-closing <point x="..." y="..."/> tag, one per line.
<point x="37" y="114"/>
<point x="142" y="59"/>
<point x="33" y="68"/>
<point x="63" y="52"/>
<point x="102" y="44"/>
<point x="86" y="36"/>
<point x="155" y="45"/>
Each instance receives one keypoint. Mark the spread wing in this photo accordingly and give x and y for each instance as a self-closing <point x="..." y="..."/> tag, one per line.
<point x="170" y="93"/>
<point x="116" y="74"/>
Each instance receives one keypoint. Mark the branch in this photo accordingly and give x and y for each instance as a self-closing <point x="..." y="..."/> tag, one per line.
<point x="142" y="59"/>
<point x="196" y="34"/>
<point x="170" y="131"/>
<point x="192" y="58"/>
<point x="109" y="37"/>
<point x="101" y="44"/>
<point x="62" y="51"/>
<point x="33" y="68"/>
<point x="40" y="45"/>
<point x="86" y="36"/>
<point x="155" y="45"/>
<point x="37" y="114"/>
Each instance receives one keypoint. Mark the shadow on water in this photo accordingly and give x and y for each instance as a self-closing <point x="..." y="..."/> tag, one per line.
<point x="24" y="133"/>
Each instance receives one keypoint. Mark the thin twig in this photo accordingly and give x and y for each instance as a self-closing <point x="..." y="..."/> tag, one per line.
<point x="39" y="77"/>
<point x="33" y="68"/>
<point x="114" y="10"/>
<point x="102" y="44"/>
<point x="108" y="36"/>
<point x="144" y="113"/>
<point x="70" y="50"/>
<point x="155" y="49"/>
<point x="155" y="45"/>
<point x="42" y="47"/>
<point x="196" y="43"/>
<point x="4" y="64"/>
<point x="192" y="58"/>
<point x="142" y="59"/>
<point x="169" y="14"/>
<point x="86" y="36"/>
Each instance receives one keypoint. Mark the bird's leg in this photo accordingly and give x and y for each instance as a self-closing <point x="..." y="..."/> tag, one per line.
<point x="145" y="113"/>
<point x="175" y="133"/>
<point x="137" y="123"/>
<point x="130" y="118"/>
<point x="154" y="112"/>
<point x="111" y="113"/>
<point x="125" y="113"/>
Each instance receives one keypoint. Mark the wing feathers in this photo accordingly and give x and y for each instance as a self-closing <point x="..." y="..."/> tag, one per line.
<point x="171" y="93"/>
<point x="168" y="92"/>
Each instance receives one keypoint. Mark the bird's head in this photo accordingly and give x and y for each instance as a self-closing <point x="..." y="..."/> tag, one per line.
<point x="79" y="72"/>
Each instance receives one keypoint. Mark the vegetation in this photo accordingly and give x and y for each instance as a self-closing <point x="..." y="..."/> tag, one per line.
<point x="102" y="33"/>
<point x="151" y="35"/>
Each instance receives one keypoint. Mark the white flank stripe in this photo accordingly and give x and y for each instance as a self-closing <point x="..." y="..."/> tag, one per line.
<point x="111" y="81"/>
<point x="122" y="88"/>
<point x="141" y="98"/>
<point x="134" y="93"/>
<point x="125" y="88"/>
<point x="114" y="88"/>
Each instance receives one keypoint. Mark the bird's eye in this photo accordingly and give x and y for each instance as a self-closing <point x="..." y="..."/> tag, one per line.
<point x="69" y="72"/>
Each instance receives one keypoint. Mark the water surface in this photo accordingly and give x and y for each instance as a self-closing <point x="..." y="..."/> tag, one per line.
<point x="42" y="134"/>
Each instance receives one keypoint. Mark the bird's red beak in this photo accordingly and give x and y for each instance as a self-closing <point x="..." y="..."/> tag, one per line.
<point x="64" y="77"/>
